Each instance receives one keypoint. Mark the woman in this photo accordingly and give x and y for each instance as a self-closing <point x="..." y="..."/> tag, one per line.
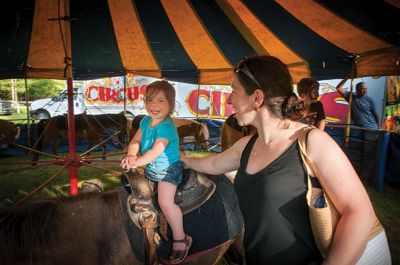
<point x="271" y="183"/>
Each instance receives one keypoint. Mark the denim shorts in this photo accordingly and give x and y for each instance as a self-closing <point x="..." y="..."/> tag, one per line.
<point x="172" y="174"/>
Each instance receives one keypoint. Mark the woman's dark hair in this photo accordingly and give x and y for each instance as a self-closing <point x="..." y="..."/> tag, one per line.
<point x="272" y="76"/>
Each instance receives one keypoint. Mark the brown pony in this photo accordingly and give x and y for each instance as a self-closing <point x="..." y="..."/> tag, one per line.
<point x="192" y="130"/>
<point x="189" y="130"/>
<point x="86" y="126"/>
<point x="89" y="230"/>
<point x="231" y="132"/>
<point x="9" y="133"/>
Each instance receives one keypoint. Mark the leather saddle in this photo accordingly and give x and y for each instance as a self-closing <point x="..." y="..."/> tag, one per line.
<point x="142" y="207"/>
<point x="194" y="190"/>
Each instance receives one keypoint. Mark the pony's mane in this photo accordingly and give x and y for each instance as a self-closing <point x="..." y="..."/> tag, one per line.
<point x="25" y="230"/>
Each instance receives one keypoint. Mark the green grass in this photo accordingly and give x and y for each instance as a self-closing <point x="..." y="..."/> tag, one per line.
<point x="387" y="209"/>
<point x="18" y="118"/>
<point x="15" y="185"/>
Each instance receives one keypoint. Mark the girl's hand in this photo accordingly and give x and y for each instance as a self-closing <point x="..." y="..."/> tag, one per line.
<point x="129" y="162"/>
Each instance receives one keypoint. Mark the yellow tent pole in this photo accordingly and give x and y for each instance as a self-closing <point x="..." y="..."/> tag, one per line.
<point x="355" y="58"/>
<point x="347" y="134"/>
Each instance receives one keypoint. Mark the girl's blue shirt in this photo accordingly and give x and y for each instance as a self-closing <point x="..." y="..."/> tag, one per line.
<point x="165" y="129"/>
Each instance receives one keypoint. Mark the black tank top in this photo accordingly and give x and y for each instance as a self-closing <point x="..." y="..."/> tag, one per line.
<point x="273" y="204"/>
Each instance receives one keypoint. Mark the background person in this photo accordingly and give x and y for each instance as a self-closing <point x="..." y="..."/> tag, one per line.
<point x="158" y="141"/>
<point x="271" y="183"/>
<point x="308" y="90"/>
<point x="363" y="111"/>
<point x="363" y="114"/>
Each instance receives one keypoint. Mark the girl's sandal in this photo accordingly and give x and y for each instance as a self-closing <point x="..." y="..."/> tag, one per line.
<point x="178" y="256"/>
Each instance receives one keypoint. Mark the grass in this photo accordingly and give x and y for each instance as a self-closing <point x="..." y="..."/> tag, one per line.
<point x="18" y="118"/>
<point x="15" y="185"/>
<point x="387" y="209"/>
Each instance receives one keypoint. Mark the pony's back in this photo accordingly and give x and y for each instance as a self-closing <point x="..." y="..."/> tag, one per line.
<point x="28" y="229"/>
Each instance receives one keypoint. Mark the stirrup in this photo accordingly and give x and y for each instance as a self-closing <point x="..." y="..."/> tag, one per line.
<point x="178" y="256"/>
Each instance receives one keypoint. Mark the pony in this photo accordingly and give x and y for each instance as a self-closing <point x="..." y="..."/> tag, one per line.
<point x="188" y="130"/>
<point x="9" y="133"/>
<point x="86" y="126"/>
<point x="231" y="132"/>
<point x="89" y="230"/>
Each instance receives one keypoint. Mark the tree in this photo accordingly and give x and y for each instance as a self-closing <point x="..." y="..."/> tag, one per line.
<point x="38" y="88"/>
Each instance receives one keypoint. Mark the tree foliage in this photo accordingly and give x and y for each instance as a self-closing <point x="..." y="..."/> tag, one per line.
<point x="37" y="88"/>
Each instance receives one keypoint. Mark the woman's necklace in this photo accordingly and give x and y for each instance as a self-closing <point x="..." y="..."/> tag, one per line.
<point x="264" y="146"/>
<point x="285" y="125"/>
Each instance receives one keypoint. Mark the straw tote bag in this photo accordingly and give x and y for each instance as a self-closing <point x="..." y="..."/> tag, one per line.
<point x="323" y="214"/>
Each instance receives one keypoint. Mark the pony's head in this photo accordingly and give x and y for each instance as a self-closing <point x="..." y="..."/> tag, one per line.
<point x="202" y="136"/>
<point x="9" y="133"/>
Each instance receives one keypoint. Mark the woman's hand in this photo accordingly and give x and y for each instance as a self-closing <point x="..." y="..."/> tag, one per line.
<point x="129" y="162"/>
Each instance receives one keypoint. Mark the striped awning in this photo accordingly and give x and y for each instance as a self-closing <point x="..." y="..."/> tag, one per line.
<point x="197" y="41"/>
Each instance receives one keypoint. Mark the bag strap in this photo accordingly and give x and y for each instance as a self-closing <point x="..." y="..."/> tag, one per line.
<point x="313" y="178"/>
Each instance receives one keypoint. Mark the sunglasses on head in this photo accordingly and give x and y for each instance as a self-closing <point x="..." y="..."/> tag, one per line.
<point x="242" y="68"/>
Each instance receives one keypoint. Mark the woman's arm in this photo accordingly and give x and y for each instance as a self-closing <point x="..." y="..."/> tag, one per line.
<point x="220" y="163"/>
<point x="349" y="196"/>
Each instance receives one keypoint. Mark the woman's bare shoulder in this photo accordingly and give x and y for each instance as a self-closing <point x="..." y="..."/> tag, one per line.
<point x="241" y="143"/>
<point x="320" y="143"/>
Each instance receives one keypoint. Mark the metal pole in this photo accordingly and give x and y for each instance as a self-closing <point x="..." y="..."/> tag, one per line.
<point x="125" y="78"/>
<point x="347" y="134"/>
<point x="72" y="168"/>
<point x="28" y="132"/>
<point x="354" y="58"/>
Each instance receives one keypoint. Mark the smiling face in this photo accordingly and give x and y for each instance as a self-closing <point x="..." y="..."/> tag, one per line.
<point x="241" y="103"/>
<point x="157" y="106"/>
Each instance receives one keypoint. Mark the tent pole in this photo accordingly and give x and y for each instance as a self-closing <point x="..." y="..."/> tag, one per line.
<point x="354" y="57"/>
<point x="198" y="101"/>
<point x="125" y="77"/>
<point x="125" y="106"/>
<point x="347" y="138"/>
<point x="72" y="167"/>
<point x="28" y="128"/>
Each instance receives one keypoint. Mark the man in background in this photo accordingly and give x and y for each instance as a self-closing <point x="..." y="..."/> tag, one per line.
<point x="363" y="112"/>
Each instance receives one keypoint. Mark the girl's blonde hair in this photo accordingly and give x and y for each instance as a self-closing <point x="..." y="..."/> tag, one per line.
<point x="168" y="90"/>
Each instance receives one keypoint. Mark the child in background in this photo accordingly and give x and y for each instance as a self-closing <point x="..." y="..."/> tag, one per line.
<point x="158" y="141"/>
<point x="307" y="89"/>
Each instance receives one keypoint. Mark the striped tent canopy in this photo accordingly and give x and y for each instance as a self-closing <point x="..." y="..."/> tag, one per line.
<point x="197" y="41"/>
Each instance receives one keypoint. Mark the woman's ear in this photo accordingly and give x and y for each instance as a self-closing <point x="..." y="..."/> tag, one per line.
<point x="258" y="99"/>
